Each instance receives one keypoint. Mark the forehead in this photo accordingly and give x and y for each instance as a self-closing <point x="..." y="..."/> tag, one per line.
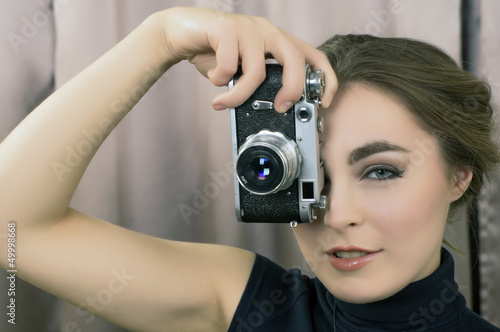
<point x="361" y="115"/>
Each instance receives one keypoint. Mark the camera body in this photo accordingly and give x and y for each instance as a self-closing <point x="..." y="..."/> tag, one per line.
<point x="278" y="173"/>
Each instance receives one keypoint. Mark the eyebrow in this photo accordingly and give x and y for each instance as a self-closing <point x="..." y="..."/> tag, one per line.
<point x="372" y="148"/>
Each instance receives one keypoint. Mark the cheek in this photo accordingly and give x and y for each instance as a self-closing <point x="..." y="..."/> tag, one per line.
<point x="307" y="237"/>
<point x="312" y="243"/>
<point x="414" y="210"/>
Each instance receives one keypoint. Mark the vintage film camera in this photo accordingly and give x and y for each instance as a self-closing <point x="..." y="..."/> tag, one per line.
<point x="278" y="173"/>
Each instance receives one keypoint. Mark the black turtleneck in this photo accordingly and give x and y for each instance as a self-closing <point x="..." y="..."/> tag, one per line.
<point x="279" y="300"/>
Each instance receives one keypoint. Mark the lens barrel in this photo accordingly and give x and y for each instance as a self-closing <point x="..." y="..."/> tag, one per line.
<point x="267" y="163"/>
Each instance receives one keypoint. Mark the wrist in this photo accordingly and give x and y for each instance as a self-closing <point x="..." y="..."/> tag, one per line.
<point x="157" y="23"/>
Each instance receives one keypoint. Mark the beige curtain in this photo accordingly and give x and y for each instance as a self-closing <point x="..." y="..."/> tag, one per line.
<point x="173" y="151"/>
<point x="489" y="206"/>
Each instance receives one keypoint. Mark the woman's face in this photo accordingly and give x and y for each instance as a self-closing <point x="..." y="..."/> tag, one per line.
<point x="388" y="200"/>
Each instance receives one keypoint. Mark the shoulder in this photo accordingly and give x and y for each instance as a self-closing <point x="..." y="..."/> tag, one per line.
<point x="278" y="299"/>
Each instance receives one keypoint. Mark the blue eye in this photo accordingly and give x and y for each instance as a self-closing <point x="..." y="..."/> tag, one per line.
<point x="382" y="173"/>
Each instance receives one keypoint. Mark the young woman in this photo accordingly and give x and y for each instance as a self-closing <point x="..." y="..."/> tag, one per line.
<point x="409" y="140"/>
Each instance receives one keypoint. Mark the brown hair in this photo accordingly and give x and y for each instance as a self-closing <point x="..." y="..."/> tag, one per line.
<point x="448" y="102"/>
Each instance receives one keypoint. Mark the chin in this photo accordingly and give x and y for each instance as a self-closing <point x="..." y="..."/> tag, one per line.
<point x="360" y="297"/>
<point x="357" y="289"/>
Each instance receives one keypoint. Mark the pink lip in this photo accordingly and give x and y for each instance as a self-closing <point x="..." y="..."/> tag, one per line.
<point x="350" y="264"/>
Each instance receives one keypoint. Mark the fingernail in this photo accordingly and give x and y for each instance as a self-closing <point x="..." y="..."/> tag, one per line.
<point x="284" y="106"/>
<point x="219" y="107"/>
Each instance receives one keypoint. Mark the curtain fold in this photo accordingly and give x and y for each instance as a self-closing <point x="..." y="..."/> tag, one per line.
<point x="26" y="68"/>
<point x="489" y="205"/>
<point x="166" y="170"/>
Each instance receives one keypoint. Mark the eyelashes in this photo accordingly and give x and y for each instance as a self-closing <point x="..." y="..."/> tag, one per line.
<point x="373" y="173"/>
<point x="382" y="173"/>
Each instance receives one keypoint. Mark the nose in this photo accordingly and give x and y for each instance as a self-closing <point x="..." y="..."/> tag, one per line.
<point x="343" y="209"/>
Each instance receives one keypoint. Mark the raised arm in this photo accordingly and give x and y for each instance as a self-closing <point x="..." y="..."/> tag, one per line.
<point x="155" y="283"/>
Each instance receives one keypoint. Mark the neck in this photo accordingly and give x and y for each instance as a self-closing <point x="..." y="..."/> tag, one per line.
<point x="430" y="302"/>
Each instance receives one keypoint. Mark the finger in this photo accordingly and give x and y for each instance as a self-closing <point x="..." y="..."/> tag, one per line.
<point x="226" y="55"/>
<point x="319" y="61"/>
<point x="244" y="86"/>
<point x="253" y="65"/>
<point x="254" y="48"/>
<point x="293" y="62"/>
<point x="204" y="63"/>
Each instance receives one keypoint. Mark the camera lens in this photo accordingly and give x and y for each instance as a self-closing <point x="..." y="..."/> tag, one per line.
<point x="267" y="162"/>
<point x="262" y="168"/>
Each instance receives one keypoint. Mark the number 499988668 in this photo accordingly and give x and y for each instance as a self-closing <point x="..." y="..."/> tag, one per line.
<point x="11" y="245"/>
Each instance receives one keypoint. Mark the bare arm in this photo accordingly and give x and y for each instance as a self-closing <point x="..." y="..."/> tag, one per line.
<point x="154" y="283"/>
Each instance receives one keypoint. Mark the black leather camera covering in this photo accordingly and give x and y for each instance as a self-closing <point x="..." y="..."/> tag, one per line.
<point x="283" y="206"/>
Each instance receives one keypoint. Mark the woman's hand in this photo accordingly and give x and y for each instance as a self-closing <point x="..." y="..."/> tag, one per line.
<point x="217" y="42"/>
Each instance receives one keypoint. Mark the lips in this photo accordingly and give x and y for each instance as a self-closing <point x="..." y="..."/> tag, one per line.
<point x="350" y="258"/>
<point x="350" y="254"/>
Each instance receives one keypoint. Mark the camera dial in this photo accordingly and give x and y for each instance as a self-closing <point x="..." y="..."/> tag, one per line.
<point x="268" y="162"/>
<point x="315" y="83"/>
